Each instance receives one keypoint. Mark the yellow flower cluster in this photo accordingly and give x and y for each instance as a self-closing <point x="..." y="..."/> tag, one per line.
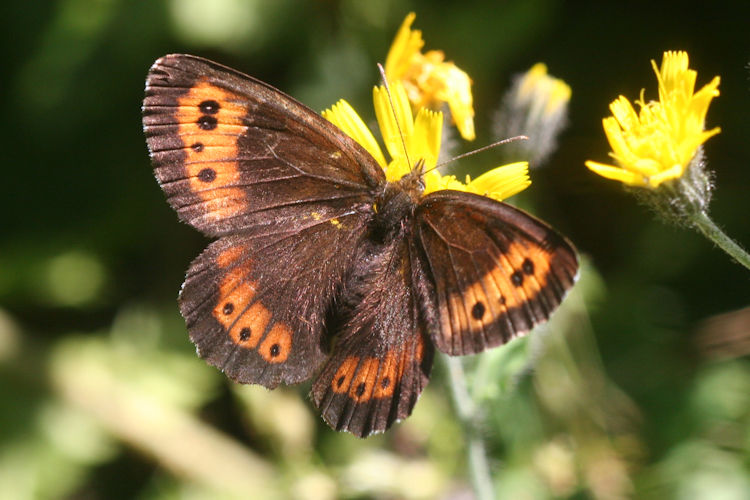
<point x="657" y="143"/>
<point x="430" y="80"/>
<point x="417" y="139"/>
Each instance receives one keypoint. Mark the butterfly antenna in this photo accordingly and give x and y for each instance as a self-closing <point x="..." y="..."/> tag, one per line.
<point x="479" y="150"/>
<point x="393" y="110"/>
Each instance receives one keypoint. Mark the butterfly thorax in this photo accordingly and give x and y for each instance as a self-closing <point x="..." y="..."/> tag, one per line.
<point x="396" y="204"/>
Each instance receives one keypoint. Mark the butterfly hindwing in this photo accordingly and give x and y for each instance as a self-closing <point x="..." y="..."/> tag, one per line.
<point x="255" y="306"/>
<point x="382" y="357"/>
<point x="232" y="153"/>
<point x="494" y="270"/>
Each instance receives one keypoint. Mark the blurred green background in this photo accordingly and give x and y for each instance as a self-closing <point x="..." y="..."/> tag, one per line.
<point x="638" y="388"/>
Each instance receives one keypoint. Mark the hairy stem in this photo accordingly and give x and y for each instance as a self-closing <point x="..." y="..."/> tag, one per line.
<point x="466" y="410"/>
<point x="706" y="226"/>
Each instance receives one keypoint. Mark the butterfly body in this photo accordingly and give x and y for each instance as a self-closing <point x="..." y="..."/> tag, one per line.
<point x="321" y="268"/>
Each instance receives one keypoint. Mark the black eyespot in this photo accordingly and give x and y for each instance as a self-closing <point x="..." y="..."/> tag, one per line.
<point x="517" y="278"/>
<point x="207" y="175"/>
<point x="385" y="382"/>
<point x="206" y="122"/>
<point x="197" y="147"/>
<point x="477" y="312"/>
<point x="245" y="334"/>
<point x="360" y="389"/>
<point x="340" y="381"/>
<point x="528" y="266"/>
<point x="228" y="308"/>
<point x="275" y="350"/>
<point x="209" y="107"/>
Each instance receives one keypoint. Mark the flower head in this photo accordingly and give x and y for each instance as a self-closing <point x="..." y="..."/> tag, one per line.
<point x="536" y="106"/>
<point x="414" y="140"/>
<point x="430" y="80"/>
<point x="544" y="94"/>
<point x="659" y="142"/>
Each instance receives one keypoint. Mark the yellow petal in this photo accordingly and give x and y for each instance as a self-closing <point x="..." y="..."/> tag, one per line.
<point x="624" y="113"/>
<point x="388" y="110"/>
<point x="531" y="81"/>
<point x="502" y="182"/>
<point x="616" y="138"/>
<point x="458" y="95"/>
<point x="344" y="117"/>
<point x="559" y="96"/>
<point x="404" y="46"/>
<point x="616" y="173"/>
<point x="434" y="181"/>
<point x="424" y="143"/>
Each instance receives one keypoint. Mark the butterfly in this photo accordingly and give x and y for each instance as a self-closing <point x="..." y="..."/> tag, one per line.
<point x="320" y="268"/>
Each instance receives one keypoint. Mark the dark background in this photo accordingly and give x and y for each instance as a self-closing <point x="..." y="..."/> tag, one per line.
<point x="92" y="257"/>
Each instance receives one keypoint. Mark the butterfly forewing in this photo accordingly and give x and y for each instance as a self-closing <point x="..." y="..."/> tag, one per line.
<point x="234" y="154"/>
<point x="494" y="270"/>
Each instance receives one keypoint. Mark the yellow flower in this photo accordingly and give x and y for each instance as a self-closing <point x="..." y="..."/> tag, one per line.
<point x="658" y="143"/>
<point x="541" y="93"/>
<point x="417" y="139"/>
<point x="429" y="80"/>
<point x="536" y="106"/>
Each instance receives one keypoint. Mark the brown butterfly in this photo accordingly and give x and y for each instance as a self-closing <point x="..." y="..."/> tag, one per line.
<point x="321" y="268"/>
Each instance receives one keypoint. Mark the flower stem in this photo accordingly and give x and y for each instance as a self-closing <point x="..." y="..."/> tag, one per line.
<point x="706" y="226"/>
<point x="467" y="414"/>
